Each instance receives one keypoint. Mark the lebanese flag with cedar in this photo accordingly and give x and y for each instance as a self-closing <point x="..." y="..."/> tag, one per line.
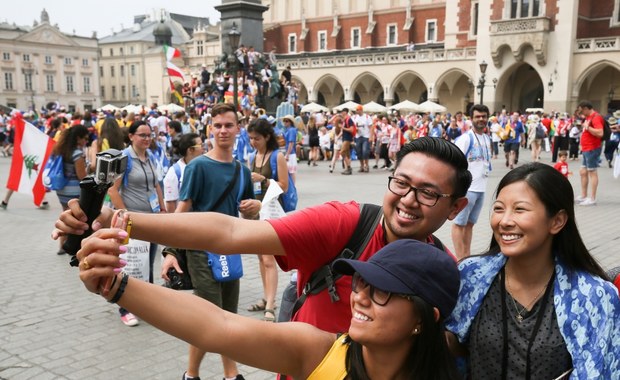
<point x="31" y="150"/>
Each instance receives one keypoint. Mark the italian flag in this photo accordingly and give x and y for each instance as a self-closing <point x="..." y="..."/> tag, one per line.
<point x="173" y="70"/>
<point x="31" y="150"/>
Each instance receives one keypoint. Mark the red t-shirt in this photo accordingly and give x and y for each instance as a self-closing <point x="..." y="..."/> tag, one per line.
<point x="588" y="141"/>
<point x="313" y="237"/>
<point x="562" y="167"/>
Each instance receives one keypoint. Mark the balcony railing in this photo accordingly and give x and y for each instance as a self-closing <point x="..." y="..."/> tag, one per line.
<point x="597" y="44"/>
<point x="520" y="25"/>
<point x="376" y="58"/>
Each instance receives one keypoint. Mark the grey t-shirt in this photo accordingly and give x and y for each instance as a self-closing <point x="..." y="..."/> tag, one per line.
<point x="549" y="357"/>
<point x="141" y="182"/>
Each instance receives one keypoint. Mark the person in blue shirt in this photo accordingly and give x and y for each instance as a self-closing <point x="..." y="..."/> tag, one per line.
<point x="511" y="145"/>
<point x="290" y="138"/>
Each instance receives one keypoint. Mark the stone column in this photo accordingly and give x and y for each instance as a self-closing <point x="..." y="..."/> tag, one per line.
<point x="248" y="17"/>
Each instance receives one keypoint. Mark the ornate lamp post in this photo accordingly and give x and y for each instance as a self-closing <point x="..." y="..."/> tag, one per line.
<point x="481" y="82"/>
<point x="233" y="39"/>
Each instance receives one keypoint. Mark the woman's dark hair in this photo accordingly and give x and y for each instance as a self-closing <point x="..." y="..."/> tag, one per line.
<point x="113" y="133"/>
<point x="444" y="151"/>
<point x="68" y="141"/>
<point x="429" y="357"/>
<point x="135" y="125"/>
<point x="264" y="128"/>
<point x="181" y="145"/>
<point x="556" y="193"/>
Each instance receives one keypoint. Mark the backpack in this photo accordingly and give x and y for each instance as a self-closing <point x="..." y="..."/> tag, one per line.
<point x="540" y="131"/>
<point x="350" y="123"/>
<point x="54" y="173"/>
<point x="289" y="198"/>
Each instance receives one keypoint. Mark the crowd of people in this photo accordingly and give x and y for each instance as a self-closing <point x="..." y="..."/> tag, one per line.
<point x="406" y="309"/>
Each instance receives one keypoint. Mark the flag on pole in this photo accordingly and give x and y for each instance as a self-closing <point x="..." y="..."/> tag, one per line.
<point x="171" y="53"/>
<point x="173" y="70"/>
<point x="31" y="150"/>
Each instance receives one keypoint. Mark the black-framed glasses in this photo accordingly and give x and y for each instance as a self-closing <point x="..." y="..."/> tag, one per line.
<point x="378" y="296"/>
<point x="144" y="136"/>
<point x="425" y="197"/>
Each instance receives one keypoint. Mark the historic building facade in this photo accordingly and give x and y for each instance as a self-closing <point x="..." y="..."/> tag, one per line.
<point x="539" y="53"/>
<point x="40" y="65"/>
<point x="132" y="65"/>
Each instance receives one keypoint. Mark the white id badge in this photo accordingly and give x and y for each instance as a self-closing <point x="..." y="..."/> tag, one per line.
<point x="487" y="169"/>
<point x="257" y="188"/>
<point x="154" y="201"/>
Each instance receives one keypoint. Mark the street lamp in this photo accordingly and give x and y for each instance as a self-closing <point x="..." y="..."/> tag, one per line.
<point x="483" y="68"/>
<point x="233" y="40"/>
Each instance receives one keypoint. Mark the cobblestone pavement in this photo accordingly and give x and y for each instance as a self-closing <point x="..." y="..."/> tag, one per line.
<point x="52" y="328"/>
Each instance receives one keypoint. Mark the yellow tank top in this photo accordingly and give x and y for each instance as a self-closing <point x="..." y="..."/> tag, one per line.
<point x="332" y="367"/>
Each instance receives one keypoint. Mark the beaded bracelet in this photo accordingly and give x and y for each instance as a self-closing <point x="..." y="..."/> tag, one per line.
<point x="121" y="289"/>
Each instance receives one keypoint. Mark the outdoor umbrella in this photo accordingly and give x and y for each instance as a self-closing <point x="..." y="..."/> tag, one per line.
<point x="432" y="107"/>
<point x="314" y="107"/>
<point x="110" y="108"/>
<point x="406" y="106"/>
<point x="350" y="105"/>
<point x="373" y="107"/>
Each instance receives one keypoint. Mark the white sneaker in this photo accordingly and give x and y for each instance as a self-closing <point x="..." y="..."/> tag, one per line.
<point x="588" y="202"/>
<point x="130" y="320"/>
<point x="580" y="199"/>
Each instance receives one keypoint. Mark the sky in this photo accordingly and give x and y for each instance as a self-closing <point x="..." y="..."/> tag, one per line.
<point x="86" y="16"/>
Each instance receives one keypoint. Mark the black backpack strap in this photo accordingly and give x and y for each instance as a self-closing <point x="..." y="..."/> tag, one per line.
<point x="323" y="278"/>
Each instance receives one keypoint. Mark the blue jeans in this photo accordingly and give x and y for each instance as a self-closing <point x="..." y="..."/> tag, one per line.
<point x="591" y="159"/>
<point x="362" y="148"/>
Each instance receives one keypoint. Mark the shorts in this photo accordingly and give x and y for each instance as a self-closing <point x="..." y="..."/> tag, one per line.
<point x="591" y="159"/>
<point x="345" y="151"/>
<point x="291" y="164"/>
<point x="225" y="295"/>
<point x="471" y="212"/>
<point x="511" y="147"/>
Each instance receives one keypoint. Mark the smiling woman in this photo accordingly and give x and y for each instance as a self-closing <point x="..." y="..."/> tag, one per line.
<point x="399" y="300"/>
<point x="526" y="308"/>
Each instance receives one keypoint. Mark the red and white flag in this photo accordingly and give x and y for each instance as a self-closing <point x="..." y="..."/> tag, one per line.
<point x="31" y="150"/>
<point x="173" y="70"/>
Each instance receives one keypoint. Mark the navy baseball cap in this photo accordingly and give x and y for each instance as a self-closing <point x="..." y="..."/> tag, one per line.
<point x="410" y="267"/>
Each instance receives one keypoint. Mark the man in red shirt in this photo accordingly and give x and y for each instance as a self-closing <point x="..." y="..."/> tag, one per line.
<point x="592" y="134"/>
<point x="428" y="186"/>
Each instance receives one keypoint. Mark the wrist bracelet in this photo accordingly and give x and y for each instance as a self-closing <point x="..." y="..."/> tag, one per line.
<point x="121" y="289"/>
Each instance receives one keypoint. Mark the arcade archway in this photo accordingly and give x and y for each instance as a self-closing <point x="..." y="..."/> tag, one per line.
<point x="520" y="87"/>
<point x="367" y="88"/>
<point x="409" y="86"/>
<point x="330" y="92"/>
<point x="454" y="91"/>
<point x="600" y="84"/>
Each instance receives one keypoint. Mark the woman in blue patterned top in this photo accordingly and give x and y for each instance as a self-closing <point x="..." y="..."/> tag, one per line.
<point x="537" y="305"/>
<point x="71" y="148"/>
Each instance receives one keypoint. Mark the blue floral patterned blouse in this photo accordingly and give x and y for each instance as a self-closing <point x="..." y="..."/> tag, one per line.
<point x="586" y="306"/>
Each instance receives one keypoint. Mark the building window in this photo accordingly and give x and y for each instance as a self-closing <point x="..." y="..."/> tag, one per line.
<point x="292" y="43"/>
<point x="84" y="61"/>
<point x="28" y="81"/>
<point x="68" y="61"/>
<point x="131" y="50"/>
<point x="322" y="38"/>
<point x="132" y="70"/>
<point x="101" y="71"/>
<point x="102" y="90"/>
<point x="431" y="31"/>
<point x="111" y="52"/>
<point x="86" y="84"/>
<point x="134" y="91"/>
<point x="524" y="8"/>
<point x="120" y="50"/>
<point x="48" y="59"/>
<point x="122" y="70"/>
<point x="6" y="56"/>
<point x="113" y="92"/>
<point x="26" y="57"/>
<point x="8" y="81"/>
<point x="615" y="18"/>
<point x="123" y="92"/>
<point x="356" y="37"/>
<point x="70" y="87"/>
<point x="474" y="19"/>
<point x="112" y="71"/>
<point x="392" y="36"/>
<point x="199" y="48"/>
<point x="49" y="81"/>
